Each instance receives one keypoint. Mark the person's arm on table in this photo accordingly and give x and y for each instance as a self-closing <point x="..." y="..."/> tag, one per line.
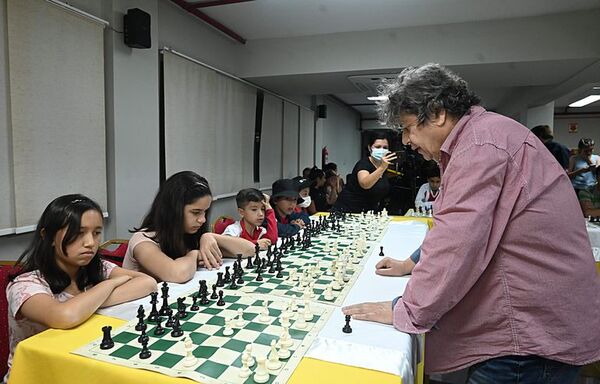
<point x="228" y="245"/>
<point x="453" y="259"/>
<point x="392" y="267"/>
<point x="140" y="285"/>
<point x="164" y="268"/>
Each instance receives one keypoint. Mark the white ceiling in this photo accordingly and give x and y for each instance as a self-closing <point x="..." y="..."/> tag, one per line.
<point x="497" y="83"/>
<point x="266" y="19"/>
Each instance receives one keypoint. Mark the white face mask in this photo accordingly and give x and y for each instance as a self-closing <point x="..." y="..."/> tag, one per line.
<point x="305" y="203"/>
<point x="378" y="153"/>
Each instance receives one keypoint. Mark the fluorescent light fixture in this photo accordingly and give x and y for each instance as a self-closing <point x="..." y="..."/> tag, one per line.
<point x="585" y="101"/>
<point x="377" y="98"/>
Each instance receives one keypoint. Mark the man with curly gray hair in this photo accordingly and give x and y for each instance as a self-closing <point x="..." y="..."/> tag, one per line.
<point x="500" y="287"/>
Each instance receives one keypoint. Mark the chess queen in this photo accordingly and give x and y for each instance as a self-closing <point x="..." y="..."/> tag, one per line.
<point x="60" y="280"/>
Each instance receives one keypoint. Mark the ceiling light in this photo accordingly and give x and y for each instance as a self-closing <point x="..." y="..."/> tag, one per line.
<point x="585" y="101"/>
<point x="377" y="98"/>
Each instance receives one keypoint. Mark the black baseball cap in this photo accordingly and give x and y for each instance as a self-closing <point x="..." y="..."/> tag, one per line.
<point x="302" y="182"/>
<point x="285" y="188"/>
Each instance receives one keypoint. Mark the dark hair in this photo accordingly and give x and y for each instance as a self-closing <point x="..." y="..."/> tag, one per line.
<point x="378" y="135"/>
<point x="542" y="131"/>
<point x="165" y="216"/>
<point x="330" y="166"/>
<point x="330" y="173"/>
<point x="424" y="92"/>
<point x="248" y="195"/>
<point x="63" y="212"/>
<point x="316" y="173"/>
<point x="306" y="170"/>
<point x="585" y="142"/>
<point x="433" y="171"/>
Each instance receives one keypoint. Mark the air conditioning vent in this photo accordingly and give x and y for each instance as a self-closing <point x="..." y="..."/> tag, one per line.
<point x="368" y="84"/>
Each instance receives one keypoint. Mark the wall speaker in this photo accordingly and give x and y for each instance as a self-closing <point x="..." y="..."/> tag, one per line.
<point x="136" y="27"/>
<point x="322" y="111"/>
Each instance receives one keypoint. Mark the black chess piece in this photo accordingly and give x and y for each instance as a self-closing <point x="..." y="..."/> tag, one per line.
<point x="272" y="268"/>
<point x="239" y="258"/>
<point x="202" y="287"/>
<point x="240" y="279"/>
<point x="153" y="316"/>
<point x="164" y="309"/>
<point x="214" y="292"/>
<point x="381" y="251"/>
<point x="221" y="301"/>
<point x="347" y="328"/>
<point x="107" y="341"/>
<point x="195" y="306"/>
<point x="257" y="256"/>
<point x="259" y="275"/>
<point x="249" y="261"/>
<point x="145" y="352"/>
<point x="204" y="298"/>
<point x="233" y="284"/>
<point x="140" y="315"/>
<point x="220" y="282"/>
<point x="169" y="322"/>
<point x="176" y="332"/>
<point x="181" y="313"/>
<point x="159" y="330"/>
<point x="143" y="336"/>
<point x="227" y="278"/>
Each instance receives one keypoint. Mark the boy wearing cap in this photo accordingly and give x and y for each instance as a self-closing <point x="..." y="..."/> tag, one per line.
<point x="284" y="200"/>
<point x="305" y="205"/>
<point x="254" y="209"/>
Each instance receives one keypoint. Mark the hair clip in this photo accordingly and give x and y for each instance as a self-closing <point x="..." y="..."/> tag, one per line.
<point x="76" y="201"/>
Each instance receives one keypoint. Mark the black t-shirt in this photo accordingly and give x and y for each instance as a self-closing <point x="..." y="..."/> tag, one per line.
<point x="319" y="196"/>
<point x="355" y="198"/>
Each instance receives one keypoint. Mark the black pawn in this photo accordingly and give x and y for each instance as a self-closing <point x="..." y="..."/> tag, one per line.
<point x="204" y="298"/>
<point x="220" y="282"/>
<point x="240" y="279"/>
<point x="259" y="275"/>
<point x="347" y="328"/>
<point x="145" y="352"/>
<point x="140" y="315"/>
<point x="176" y="332"/>
<point x="195" y="306"/>
<point x="221" y="301"/>
<point x="227" y="278"/>
<point x="249" y="262"/>
<point x="159" y="330"/>
<point x="107" y="341"/>
<point x="381" y="251"/>
<point x="214" y="292"/>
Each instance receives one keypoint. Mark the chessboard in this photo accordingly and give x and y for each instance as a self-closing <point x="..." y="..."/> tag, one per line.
<point x="262" y="315"/>
<point x="215" y="354"/>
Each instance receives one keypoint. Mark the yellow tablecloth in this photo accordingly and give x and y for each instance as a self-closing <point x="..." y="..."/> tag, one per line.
<point x="45" y="358"/>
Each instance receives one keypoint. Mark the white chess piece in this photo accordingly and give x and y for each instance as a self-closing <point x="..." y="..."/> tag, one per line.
<point x="285" y="319"/>
<point x="293" y="305"/>
<point x="328" y="294"/>
<point x="308" y="315"/>
<point x="292" y="276"/>
<point x="245" y="370"/>
<point x="335" y="285"/>
<point x="264" y="313"/>
<point x="240" y="318"/>
<point x="300" y="322"/>
<point x="261" y="375"/>
<point x="273" y="363"/>
<point x="306" y="295"/>
<point x="284" y="352"/>
<point x="285" y="338"/>
<point x="248" y="350"/>
<point x="312" y="290"/>
<point x="228" y="331"/>
<point x="190" y="360"/>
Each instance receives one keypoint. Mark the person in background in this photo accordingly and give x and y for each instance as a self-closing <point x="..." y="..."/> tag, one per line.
<point x="583" y="165"/>
<point x="318" y="192"/>
<point x="306" y="172"/>
<point x="499" y="288"/>
<point x="559" y="151"/>
<point x="333" y="167"/>
<point x="589" y="199"/>
<point x="61" y="280"/>
<point x="332" y="187"/>
<point x="305" y="206"/>
<point x="430" y="190"/>
<point x="254" y="210"/>
<point x="284" y="200"/>
<point x="173" y="239"/>
<point x="368" y="185"/>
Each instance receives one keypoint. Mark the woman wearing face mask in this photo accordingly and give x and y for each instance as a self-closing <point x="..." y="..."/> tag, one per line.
<point x="367" y="184"/>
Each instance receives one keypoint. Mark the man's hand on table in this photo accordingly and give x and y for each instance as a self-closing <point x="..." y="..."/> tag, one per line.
<point x="392" y="267"/>
<point x="380" y="312"/>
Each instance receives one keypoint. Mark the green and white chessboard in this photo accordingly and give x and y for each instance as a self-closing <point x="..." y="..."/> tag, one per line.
<point x="218" y="356"/>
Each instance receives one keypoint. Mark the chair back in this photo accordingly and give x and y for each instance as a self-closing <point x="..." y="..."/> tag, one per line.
<point x="114" y="251"/>
<point x="5" y="270"/>
<point x="221" y="223"/>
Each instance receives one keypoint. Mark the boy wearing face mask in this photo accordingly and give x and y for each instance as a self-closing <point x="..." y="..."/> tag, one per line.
<point x="306" y="206"/>
<point x="368" y="185"/>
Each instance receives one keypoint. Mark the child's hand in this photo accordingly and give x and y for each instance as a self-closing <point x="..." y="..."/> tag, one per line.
<point x="263" y="243"/>
<point x="266" y="201"/>
<point x="210" y="254"/>
<point x="299" y="222"/>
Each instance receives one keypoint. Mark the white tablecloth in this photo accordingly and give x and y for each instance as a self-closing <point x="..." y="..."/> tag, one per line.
<point x="594" y="235"/>
<point x="370" y="345"/>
